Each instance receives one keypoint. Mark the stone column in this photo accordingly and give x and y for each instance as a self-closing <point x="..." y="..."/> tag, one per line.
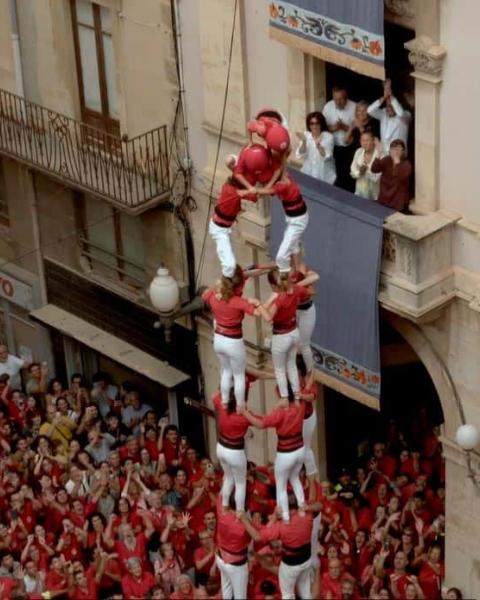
<point x="427" y="59"/>
<point x="172" y="407"/>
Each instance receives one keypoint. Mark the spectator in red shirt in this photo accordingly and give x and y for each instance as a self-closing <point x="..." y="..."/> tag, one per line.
<point x="83" y="585"/>
<point x="137" y="583"/>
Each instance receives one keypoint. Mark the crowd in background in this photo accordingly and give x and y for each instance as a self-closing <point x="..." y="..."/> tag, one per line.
<point x="99" y="497"/>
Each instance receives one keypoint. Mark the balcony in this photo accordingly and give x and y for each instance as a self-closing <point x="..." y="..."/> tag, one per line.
<point x="132" y="174"/>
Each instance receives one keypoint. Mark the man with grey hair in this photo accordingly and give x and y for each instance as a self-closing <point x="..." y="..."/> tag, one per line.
<point x="137" y="583"/>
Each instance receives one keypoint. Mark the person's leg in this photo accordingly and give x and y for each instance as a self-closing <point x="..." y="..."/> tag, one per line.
<point x="238" y="361"/>
<point x="314" y="541"/>
<point x="291" y="360"/>
<point x="239" y="579"/>
<point x="280" y="345"/>
<point x="299" y="225"/>
<point x="285" y="249"/>
<point x="228" y="478"/>
<point x="220" y="345"/>
<point x="308" y="430"/>
<point x="239" y="472"/>
<point x="304" y="586"/>
<point x="222" y="238"/>
<point x="283" y="466"/>
<point x="294" y="475"/>
<point x="227" y="589"/>
<point x="286" y="581"/>
<point x="306" y="324"/>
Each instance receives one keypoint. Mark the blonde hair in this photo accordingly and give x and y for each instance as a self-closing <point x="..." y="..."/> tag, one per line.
<point x="279" y="280"/>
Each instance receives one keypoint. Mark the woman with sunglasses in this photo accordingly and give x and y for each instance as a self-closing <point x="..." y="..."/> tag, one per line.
<point x="316" y="149"/>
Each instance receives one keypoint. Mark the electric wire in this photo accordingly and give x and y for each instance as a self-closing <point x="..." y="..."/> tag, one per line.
<point x="220" y="136"/>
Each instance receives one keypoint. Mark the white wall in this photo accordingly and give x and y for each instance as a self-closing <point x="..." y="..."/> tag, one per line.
<point x="459" y="109"/>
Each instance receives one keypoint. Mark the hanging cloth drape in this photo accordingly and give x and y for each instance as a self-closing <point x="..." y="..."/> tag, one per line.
<point x="343" y="244"/>
<point x="348" y="33"/>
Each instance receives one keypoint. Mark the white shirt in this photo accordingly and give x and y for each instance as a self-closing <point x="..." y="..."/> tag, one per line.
<point x="391" y="128"/>
<point x="314" y="164"/>
<point x="12" y="366"/>
<point x="333" y="114"/>
<point x="367" y="185"/>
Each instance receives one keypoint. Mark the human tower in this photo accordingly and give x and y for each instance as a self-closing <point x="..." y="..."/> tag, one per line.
<point x="260" y="170"/>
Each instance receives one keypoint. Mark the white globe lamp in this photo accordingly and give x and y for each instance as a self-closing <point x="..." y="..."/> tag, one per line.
<point x="467" y="437"/>
<point x="163" y="292"/>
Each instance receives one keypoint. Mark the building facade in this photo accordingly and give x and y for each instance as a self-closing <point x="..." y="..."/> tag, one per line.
<point x="110" y="115"/>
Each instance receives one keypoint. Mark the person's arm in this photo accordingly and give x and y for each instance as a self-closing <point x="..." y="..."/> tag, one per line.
<point x="101" y="567"/>
<point x="243" y="180"/>
<point x="378" y="165"/>
<point x="354" y="168"/>
<point x="199" y="564"/>
<point x="26" y="549"/>
<point x="374" y="109"/>
<point x="397" y="107"/>
<point x="301" y="150"/>
<point x="310" y="278"/>
<point x="108" y="534"/>
<point x="252" y="532"/>
<point x="166" y="532"/>
<point x="253" y="420"/>
<point x="196" y="497"/>
<point x="147" y="521"/>
<point x="259" y="373"/>
<point x="163" y="423"/>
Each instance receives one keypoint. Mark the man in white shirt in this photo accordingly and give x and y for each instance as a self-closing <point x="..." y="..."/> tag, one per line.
<point x="394" y="119"/>
<point x="11" y="365"/>
<point x="134" y="412"/>
<point x="339" y="113"/>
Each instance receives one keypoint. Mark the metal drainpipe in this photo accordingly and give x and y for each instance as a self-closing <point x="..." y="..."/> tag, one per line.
<point x="16" y="50"/>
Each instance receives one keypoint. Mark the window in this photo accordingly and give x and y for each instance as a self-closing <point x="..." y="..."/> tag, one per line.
<point x="4" y="217"/>
<point x="95" y="59"/>
<point x="111" y="241"/>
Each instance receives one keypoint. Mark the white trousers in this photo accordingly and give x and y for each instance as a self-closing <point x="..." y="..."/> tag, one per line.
<point x="297" y="576"/>
<point x="308" y="430"/>
<point x="314" y="541"/>
<point x="284" y="358"/>
<point x="234" y="465"/>
<point x="221" y="237"/>
<point x="287" y="470"/>
<point x="232" y="356"/>
<point x="294" y="228"/>
<point x="306" y="324"/>
<point x="234" y="579"/>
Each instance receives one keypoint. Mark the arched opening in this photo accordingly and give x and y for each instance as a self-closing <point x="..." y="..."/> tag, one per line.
<point x="411" y="406"/>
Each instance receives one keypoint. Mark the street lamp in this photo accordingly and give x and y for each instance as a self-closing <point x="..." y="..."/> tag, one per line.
<point x="467" y="437"/>
<point x="164" y="296"/>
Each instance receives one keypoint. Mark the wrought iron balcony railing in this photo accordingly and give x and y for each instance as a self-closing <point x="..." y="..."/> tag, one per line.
<point x="130" y="173"/>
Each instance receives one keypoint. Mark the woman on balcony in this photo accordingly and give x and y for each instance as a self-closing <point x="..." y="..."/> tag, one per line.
<point x="396" y="171"/>
<point x="316" y="149"/>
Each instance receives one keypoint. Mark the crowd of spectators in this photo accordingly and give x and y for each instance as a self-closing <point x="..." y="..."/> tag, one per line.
<point x="101" y="498"/>
<point x="360" y="147"/>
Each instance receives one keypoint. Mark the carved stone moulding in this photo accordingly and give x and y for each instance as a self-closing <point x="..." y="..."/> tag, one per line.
<point x="401" y="8"/>
<point x="426" y="56"/>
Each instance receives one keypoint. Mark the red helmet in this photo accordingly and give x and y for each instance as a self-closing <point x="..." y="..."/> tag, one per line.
<point x="257" y="159"/>
<point x="278" y="138"/>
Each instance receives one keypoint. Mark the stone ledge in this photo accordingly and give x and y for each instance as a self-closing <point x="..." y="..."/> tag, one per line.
<point x="418" y="227"/>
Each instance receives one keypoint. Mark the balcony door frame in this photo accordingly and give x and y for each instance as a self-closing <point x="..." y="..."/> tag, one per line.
<point x="100" y="120"/>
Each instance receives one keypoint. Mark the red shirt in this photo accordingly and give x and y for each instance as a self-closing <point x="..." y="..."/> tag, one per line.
<point x="229" y="204"/>
<point x="133" y="588"/>
<point x="91" y="593"/>
<point x="289" y="425"/>
<point x="232" y="537"/>
<point x="285" y="318"/>
<point x="138" y="552"/>
<point x="232" y="427"/>
<point x="170" y="451"/>
<point x="228" y="314"/>
<point x="8" y="585"/>
<point x="294" y="534"/>
<point x="198" y="555"/>
<point x="429" y="581"/>
<point x="289" y="193"/>
<point x="55" y="581"/>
